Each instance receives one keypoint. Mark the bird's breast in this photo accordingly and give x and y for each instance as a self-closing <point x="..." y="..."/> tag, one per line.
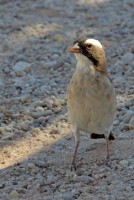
<point x="91" y="100"/>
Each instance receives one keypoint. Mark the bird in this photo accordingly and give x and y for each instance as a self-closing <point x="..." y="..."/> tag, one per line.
<point x="91" y="96"/>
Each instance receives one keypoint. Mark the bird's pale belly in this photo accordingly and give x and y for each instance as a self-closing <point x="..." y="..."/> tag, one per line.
<point x="91" y="103"/>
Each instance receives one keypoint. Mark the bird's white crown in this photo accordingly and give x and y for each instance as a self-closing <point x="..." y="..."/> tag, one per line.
<point x="94" y="42"/>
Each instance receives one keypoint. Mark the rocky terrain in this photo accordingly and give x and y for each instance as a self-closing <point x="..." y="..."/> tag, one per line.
<point x="36" y="140"/>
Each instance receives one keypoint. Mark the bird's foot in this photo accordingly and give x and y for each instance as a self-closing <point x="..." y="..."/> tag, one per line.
<point x="106" y="162"/>
<point x="100" y="163"/>
<point x="73" y="166"/>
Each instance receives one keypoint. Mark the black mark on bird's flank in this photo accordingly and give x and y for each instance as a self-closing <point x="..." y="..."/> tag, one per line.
<point x="98" y="136"/>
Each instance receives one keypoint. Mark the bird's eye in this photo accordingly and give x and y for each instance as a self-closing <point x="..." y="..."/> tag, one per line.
<point x="89" y="45"/>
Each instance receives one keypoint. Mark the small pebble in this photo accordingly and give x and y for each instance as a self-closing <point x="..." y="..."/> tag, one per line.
<point x="83" y="179"/>
<point x="124" y="163"/>
<point x="8" y="135"/>
<point x="31" y="165"/>
<point x="68" y="196"/>
<point x="127" y="58"/>
<point x="14" y="194"/>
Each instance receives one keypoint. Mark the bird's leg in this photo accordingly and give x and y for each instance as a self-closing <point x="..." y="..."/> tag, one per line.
<point x="107" y="147"/>
<point x="77" y="141"/>
<point x="107" y="151"/>
<point x="108" y="163"/>
<point x="73" y="165"/>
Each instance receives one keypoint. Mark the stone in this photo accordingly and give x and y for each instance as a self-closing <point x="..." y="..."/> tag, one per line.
<point x="124" y="163"/>
<point x="100" y="175"/>
<point x="35" y="131"/>
<point x="37" y="103"/>
<point x="45" y="89"/>
<point x="58" y="38"/>
<point x="2" y="129"/>
<point x="43" y="120"/>
<point x="127" y="58"/>
<point x="2" y="185"/>
<point x="2" y="85"/>
<point x="131" y="167"/>
<point x="132" y="121"/>
<point x="127" y="118"/>
<point x="42" y="164"/>
<point x="57" y="109"/>
<point x="54" y="131"/>
<point x="48" y="103"/>
<point x="39" y="109"/>
<point x="50" y="179"/>
<point x="116" y="123"/>
<point x="41" y="114"/>
<point x="21" y="68"/>
<point x="131" y="126"/>
<point x="123" y="126"/>
<point x="59" y="102"/>
<point x="31" y="165"/>
<point x="118" y="80"/>
<point x="50" y="64"/>
<point x="8" y="135"/>
<point x="23" y="98"/>
<point x="24" y="126"/>
<point x="128" y="188"/>
<point x="8" y="128"/>
<point x="117" y="64"/>
<point x="68" y="196"/>
<point x="123" y="135"/>
<point x="14" y="194"/>
<point x="83" y="179"/>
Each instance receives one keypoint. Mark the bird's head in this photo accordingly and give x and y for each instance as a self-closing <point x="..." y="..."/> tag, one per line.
<point x="92" y="50"/>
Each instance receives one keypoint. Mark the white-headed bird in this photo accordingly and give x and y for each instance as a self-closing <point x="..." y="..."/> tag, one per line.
<point x="91" y="97"/>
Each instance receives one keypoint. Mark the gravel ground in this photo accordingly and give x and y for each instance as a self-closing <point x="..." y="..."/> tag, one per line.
<point x="36" y="141"/>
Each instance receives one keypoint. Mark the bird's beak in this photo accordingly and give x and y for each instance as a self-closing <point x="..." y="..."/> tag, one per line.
<point x="74" y="49"/>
